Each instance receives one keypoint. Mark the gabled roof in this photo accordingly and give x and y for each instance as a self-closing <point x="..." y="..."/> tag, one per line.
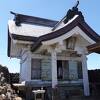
<point x="20" y="20"/>
<point x="78" y="21"/>
<point x="68" y="26"/>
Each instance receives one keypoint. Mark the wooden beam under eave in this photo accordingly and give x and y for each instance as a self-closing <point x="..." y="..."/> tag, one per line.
<point x="94" y="48"/>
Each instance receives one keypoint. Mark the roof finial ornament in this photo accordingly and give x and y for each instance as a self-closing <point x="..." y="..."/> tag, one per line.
<point x="72" y="12"/>
<point x="77" y="3"/>
<point x="17" y="19"/>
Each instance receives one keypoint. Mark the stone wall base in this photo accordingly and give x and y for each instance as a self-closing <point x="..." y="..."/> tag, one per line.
<point x="63" y="93"/>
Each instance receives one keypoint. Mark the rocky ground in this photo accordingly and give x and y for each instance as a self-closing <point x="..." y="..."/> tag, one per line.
<point x="6" y="92"/>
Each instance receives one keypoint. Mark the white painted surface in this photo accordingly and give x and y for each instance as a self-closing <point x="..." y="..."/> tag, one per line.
<point x="16" y="49"/>
<point x="54" y="68"/>
<point x="83" y="34"/>
<point x="59" y="57"/>
<point x="61" y="24"/>
<point x="85" y="76"/>
<point x="73" y="32"/>
<point x="80" y="44"/>
<point x="26" y="66"/>
<point x="22" y="42"/>
<point x="28" y="30"/>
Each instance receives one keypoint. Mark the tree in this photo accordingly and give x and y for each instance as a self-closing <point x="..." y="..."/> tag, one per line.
<point x="5" y="71"/>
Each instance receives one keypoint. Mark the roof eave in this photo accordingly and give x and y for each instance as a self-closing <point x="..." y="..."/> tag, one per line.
<point x="18" y="38"/>
<point x="94" y="48"/>
<point x="24" y="38"/>
<point x="77" y="22"/>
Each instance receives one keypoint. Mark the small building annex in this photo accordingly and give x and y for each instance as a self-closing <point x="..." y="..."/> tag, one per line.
<point x="53" y="53"/>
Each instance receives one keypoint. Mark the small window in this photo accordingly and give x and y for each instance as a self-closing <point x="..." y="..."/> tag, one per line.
<point x="70" y="43"/>
<point x="36" y="69"/>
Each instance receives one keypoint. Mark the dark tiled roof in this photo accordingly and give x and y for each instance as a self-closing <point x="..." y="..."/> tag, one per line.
<point x="94" y="48"/>
<point x="19" y="18"/>
<point x="24" y="38"/>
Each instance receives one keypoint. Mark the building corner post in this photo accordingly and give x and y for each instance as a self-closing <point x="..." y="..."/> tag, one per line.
<point x="54" y="68"/>
<point x="85" y="76"/>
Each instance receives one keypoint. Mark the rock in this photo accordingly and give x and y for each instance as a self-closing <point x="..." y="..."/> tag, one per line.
<point x="8" y="95"/>
<point x="18" y="98"/>
<point x="6" y="92"/>
<point x="3" y="96"/>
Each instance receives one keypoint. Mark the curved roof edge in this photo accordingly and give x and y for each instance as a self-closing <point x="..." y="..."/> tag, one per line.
<point x="77" y="22"/>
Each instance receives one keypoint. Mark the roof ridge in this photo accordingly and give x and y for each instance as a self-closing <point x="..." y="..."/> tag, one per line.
<point x="21" y="18"/>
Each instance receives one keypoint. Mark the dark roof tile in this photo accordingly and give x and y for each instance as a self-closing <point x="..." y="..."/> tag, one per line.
<point x="20" y="18"/>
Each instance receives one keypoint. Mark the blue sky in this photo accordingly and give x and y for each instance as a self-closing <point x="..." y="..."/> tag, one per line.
<point x="51" y="9"/>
